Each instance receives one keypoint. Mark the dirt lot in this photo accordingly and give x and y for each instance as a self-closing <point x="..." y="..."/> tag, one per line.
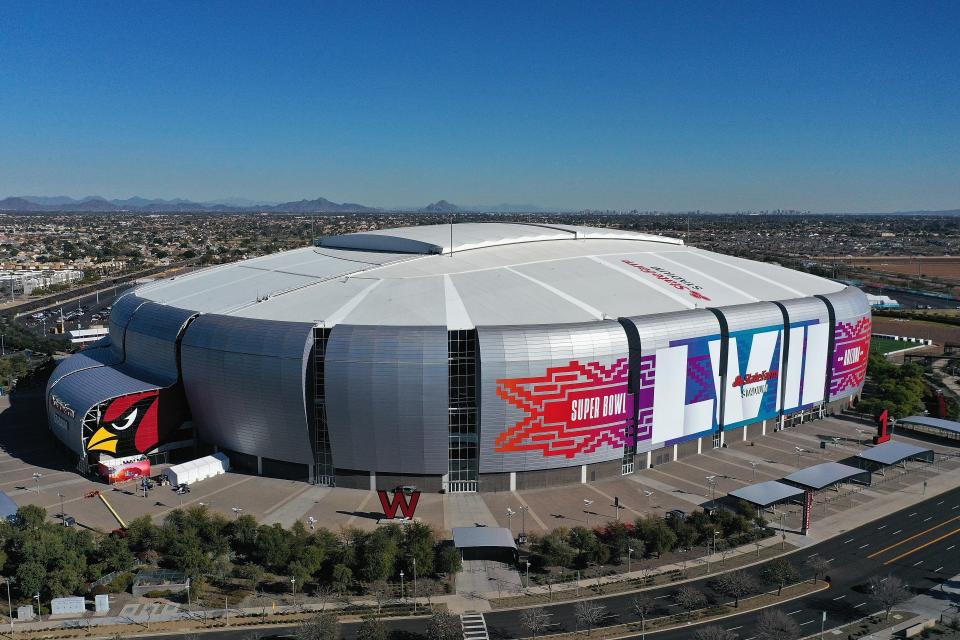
<point x="943" y="267"/>
<point x="935" y="331"/>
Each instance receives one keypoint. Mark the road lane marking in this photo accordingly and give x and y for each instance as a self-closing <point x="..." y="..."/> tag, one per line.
<point x="807" y="622"/>
<point x="951" y="547"/>
<point x="735" y="628"/>
<point x="661" y="597"/>
<point x="923" y="546"/>
<point x="864" y="546"/>
<point x="917" y="563"/>
<point x="896" y="532"/>
<point x="830" y="559"/>
<point x="916" y="535"/>
<point x="859" y="605"/>
<point x="881" y="528"/>
<point x="928" y="518"/>
<point x="940" y="503"/>
<point x="910" y="515"/>
<point x="793" y="612"/>
<point x="938" y="569"/>
<point x="848" y="541"/>
<point x="840" y="597"/>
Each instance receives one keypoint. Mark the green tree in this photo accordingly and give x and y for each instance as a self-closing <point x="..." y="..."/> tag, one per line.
<point x="448" y="560"/>
<point x="30" y="517"/>
<point x="443" y="626"/>
<point x="779" y="572"/>
<point x="342" y="578"/>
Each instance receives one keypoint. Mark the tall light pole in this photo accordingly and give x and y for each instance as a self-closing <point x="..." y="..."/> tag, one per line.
<point x="754" y="465"/>
<point x="629" y="554"/>
<point x="9" y="604"/>
<point x="799" y="451"/>
<point x="401" y="585"/>
<point x="523" y="522"/>
<point x="36" y="477"/>
<point x="293" y="587"/>
<point x="510" y="513"/>
<point x="711" y="484"/>
<point x="236" y="512"/>
<point x="586" y="505"/>
<point x="414" y="586"/>
<point x="528" y="574"/>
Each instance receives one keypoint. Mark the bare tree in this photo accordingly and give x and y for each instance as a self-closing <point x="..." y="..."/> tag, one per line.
<point x="690" y="599"/>
<point x="323" y="626"/>
<point x="888" y="592"/>
<point x="535" y="620"/>
<point x="818" y="566"/>
<point x="776" y="625"/>
<point x="443" y="626"/>
<point x="324" y="593"/>
<point x="735" y="584"/>
<point x="642" y="606"/>
<point x="588" y="614"/>
<point x="714" y="632"/>
<point x="380" y="591"/>
<point x="779" y="572"/>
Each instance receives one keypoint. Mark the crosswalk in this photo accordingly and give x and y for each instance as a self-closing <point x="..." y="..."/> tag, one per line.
<point x="474" y="626"/>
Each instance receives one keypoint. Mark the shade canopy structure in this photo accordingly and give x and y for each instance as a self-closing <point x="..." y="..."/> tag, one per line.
<point x="764" y="494"/>
<point x="485" y="543"/>
<point x="473" y="537"/>
<point x="934" y="426"/>
<point x="827" y="474"/>
<point x="890" y="453"/>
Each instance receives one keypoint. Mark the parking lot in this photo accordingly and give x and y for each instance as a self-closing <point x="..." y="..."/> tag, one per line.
<point x="26" y="448"/>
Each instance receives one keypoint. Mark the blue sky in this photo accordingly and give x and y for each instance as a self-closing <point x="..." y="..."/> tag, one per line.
<point x="834" y="106"/>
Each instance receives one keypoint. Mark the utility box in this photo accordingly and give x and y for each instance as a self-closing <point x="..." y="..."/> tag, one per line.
<point x="25" y="612"/>
<point x="102" y="603"/>
<point x="74" y="604"/>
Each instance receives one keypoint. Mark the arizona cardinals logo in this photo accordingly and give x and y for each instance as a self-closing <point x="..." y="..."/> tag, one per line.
<point x="128" y="425"/>
<point x="571" y="410"/>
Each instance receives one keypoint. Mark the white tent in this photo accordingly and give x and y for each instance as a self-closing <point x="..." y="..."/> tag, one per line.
<point x="199" y="469"/>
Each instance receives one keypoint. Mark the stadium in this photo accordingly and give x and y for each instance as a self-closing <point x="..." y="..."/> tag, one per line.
<point x="461" y="358"/>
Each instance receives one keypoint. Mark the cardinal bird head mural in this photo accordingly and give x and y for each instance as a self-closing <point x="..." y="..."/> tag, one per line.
<point x="128" y="425"/>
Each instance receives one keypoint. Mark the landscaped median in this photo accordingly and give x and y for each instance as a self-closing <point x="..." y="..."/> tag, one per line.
<point x="693" y="570"/>
<point x="696" y="616"/>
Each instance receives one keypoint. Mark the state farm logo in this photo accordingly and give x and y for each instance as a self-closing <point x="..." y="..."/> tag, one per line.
<point x="61" y="406"/>
<point x="744" y="383"/>
<point x="852" y="356"/>
<point x="752" y="378"/>
<point x="671" y="279"/>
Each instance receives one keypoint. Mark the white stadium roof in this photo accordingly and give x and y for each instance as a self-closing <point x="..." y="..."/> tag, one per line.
<point x="496" y="274"/>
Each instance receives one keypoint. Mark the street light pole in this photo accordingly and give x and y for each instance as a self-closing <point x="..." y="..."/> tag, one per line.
<point x="414" y="586"/>
<point x="293" y="586"/>
<point x="629" y="553"/>
<point x="510" y="513"/>
<point x="401" y="585"/>
<point x="36" y="477"/>
<point x="528" y="574"/>
<point x="9" y="604"/>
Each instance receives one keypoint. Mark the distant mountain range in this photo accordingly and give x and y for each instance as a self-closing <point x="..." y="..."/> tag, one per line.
<point x="25" y="204"/>
<point x="137" y="204"/>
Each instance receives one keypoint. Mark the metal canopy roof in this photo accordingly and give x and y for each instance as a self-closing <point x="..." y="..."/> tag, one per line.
<point x="826" y="474"/>
<point x="766" y="493"/>
<point x="474" y="537"/>
<point x="497" y="274"/>
<point x="936" y="423"/>
<point x="894" y="452"/>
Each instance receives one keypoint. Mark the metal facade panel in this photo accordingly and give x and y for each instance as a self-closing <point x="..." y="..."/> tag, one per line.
<point x="676" y="376"/>
<point x="552" y="396"/>
<point x="755" y="339"/>
<point x="150" y="340"/>
<point x="120" y="315"/>
<point x="387" y="398"/>
<point x="245" y="381"/>
<point x="804" y="372"/>
<point x="851" y="342"/>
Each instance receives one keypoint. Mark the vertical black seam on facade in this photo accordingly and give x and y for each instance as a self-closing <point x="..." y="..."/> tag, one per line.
<point x="724" y="348"/>
<point x="178" y="344"/>
<point x="784" y="356"/>
<point x="831" y="344"/>
<point x="634" y="354"/>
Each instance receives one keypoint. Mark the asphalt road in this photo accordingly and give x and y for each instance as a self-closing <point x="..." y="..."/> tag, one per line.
<point x="911" y="300"/>
<point x="920" y="545"/>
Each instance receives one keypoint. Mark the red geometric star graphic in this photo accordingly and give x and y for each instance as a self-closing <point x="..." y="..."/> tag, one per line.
<point x="573" y="409"/>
